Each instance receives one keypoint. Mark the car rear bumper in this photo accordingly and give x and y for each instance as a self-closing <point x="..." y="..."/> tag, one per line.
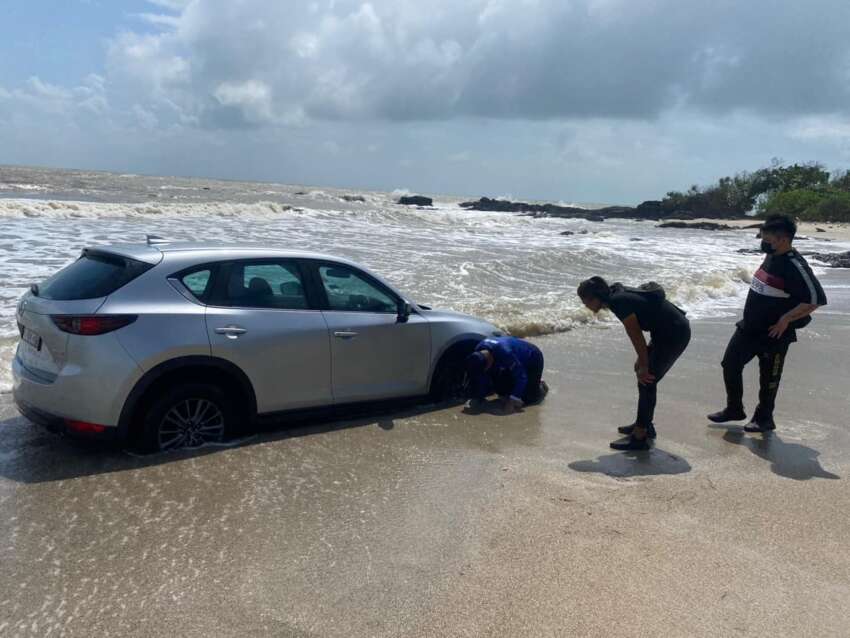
<point x="71" y="404"/>
<point x="60" y="425"/>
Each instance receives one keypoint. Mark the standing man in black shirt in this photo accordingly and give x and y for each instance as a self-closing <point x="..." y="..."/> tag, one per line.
<point x="783" y="295"/>
<point x="642" y="310"/>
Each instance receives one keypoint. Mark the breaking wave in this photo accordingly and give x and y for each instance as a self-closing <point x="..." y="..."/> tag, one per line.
<point x="518" y="272"/>
<point x="30" y="208"/>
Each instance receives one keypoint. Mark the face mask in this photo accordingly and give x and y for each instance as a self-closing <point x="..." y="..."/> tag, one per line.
<point x="767" y="248"/>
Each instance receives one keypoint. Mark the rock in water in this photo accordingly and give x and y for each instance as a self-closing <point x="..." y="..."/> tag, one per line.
<point x="835" y="260"/>
<point x="650" y="209"/>
<point x="415" y="200"/>
<point x="697" y="225"/>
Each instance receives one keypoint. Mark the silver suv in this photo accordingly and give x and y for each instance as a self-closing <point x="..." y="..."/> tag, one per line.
<point x="176" y="345"/>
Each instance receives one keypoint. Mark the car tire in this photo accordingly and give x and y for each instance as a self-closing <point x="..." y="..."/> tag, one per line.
<point x="187" y="416"/>
<point x="449" y="382"/>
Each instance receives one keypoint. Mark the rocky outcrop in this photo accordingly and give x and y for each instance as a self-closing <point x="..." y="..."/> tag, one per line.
<point x="834" y="260"/>
<point x="549" y="210"/>
<point x="698" y="225"/>
<point x="415" y="200"/>
<point x="654" y="210"/>
<point x="353" y="198"/>
<point x="651" y="209"/>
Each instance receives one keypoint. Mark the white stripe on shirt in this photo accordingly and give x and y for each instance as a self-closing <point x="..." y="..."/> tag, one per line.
<point x="808" y="281"/>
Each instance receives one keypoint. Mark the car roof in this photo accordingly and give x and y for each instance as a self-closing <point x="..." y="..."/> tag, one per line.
<point x="154" y="251"/>
<point x="187" y="254"/>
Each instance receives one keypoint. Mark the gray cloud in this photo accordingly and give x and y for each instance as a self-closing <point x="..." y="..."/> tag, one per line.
<point x="587" y="100"/>
<point x="255" y="63"/>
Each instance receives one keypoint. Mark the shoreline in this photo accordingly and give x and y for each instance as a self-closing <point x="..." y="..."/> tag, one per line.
<point x="435" y="522"/>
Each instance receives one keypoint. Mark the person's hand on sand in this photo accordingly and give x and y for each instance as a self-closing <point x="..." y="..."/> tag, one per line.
<point x="778" y="329"/>
<point x="511" y="405"/>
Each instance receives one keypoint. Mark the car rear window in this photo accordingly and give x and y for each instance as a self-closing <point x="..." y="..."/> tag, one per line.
<point x="91" y="276"/>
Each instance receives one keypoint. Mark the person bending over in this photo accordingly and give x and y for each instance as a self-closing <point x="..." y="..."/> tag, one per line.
<point x="783" y="294"/>
<point x="509" y="367"/>
<point x="642" y="310"/>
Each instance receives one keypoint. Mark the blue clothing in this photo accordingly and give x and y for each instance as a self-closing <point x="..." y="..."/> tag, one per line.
<point x="512" y="358"/>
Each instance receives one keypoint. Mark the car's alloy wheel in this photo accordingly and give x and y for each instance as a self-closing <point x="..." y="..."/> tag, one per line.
<point x="190" y="423"/>
<point x="187" y="415"/>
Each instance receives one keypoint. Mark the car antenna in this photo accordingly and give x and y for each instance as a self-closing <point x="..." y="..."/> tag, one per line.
<point x="153" y="240"/>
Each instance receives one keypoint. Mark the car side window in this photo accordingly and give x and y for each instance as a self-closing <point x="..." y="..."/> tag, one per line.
<point x="197" y="282"/>
<point x="348" y="291"/>
<point x="272" y="284"/>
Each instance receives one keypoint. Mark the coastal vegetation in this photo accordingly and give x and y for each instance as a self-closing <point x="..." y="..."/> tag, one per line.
<point x="805" y="191"/>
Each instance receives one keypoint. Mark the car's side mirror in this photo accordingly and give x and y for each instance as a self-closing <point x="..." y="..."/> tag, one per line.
<point x="403" y="311"/>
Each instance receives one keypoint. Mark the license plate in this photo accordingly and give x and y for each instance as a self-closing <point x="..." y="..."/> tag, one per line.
<point x="32" y="339"/>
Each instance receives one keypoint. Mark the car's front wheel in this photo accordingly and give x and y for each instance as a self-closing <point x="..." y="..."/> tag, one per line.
<point x="188" y="415"/>
<point x="450" y="382"/>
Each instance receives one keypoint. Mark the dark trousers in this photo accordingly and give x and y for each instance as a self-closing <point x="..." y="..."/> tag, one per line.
<point x="663" y="353"/>
<point x="741" y="350"/>
<point x="534" y="371"/>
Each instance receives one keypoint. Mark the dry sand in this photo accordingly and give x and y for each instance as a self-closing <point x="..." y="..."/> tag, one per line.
<point x="834" y="231"/>
<point x="445" y="524"/>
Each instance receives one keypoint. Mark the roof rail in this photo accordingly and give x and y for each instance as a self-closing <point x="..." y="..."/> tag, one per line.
<point x="153" y="240"/>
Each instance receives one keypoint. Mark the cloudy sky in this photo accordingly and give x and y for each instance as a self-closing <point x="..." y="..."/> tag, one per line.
<point x="578" y="100"/>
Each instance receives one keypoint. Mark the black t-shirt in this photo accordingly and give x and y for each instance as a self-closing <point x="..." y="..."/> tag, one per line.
<point x="781" y="284"/>
<point x="654" y="315"/>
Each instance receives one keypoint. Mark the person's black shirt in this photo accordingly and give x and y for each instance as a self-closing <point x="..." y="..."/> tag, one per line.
<point x="654" y="315"/>
<point x="781" y="284"/>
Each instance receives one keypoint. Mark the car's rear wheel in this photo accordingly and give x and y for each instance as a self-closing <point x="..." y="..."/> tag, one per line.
<point x="187" y="416"/>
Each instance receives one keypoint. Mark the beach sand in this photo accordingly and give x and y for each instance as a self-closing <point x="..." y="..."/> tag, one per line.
<point x="439" y="523"/>
<point x="833" y="231"/>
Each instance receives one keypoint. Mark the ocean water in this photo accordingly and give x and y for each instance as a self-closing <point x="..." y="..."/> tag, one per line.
<point x="516" y="271"/>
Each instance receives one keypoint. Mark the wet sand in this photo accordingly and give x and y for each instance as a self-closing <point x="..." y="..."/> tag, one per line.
<point x="438" y="523"/>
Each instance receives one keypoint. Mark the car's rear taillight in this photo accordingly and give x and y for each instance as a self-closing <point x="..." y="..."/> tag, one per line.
<point x="90" y="325"/>
<point x="84" y="427"/>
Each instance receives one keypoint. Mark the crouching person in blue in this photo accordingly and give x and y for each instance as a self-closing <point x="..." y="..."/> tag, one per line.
<point x="509" y="367"/>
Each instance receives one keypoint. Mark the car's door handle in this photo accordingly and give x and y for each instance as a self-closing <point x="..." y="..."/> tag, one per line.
<point x="345" y="334"/>
<point x="231" y="332"/>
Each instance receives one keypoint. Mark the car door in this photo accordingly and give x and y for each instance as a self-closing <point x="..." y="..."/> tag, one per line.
<point x="261" y="318"/>
<point x="374" y="354"/>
